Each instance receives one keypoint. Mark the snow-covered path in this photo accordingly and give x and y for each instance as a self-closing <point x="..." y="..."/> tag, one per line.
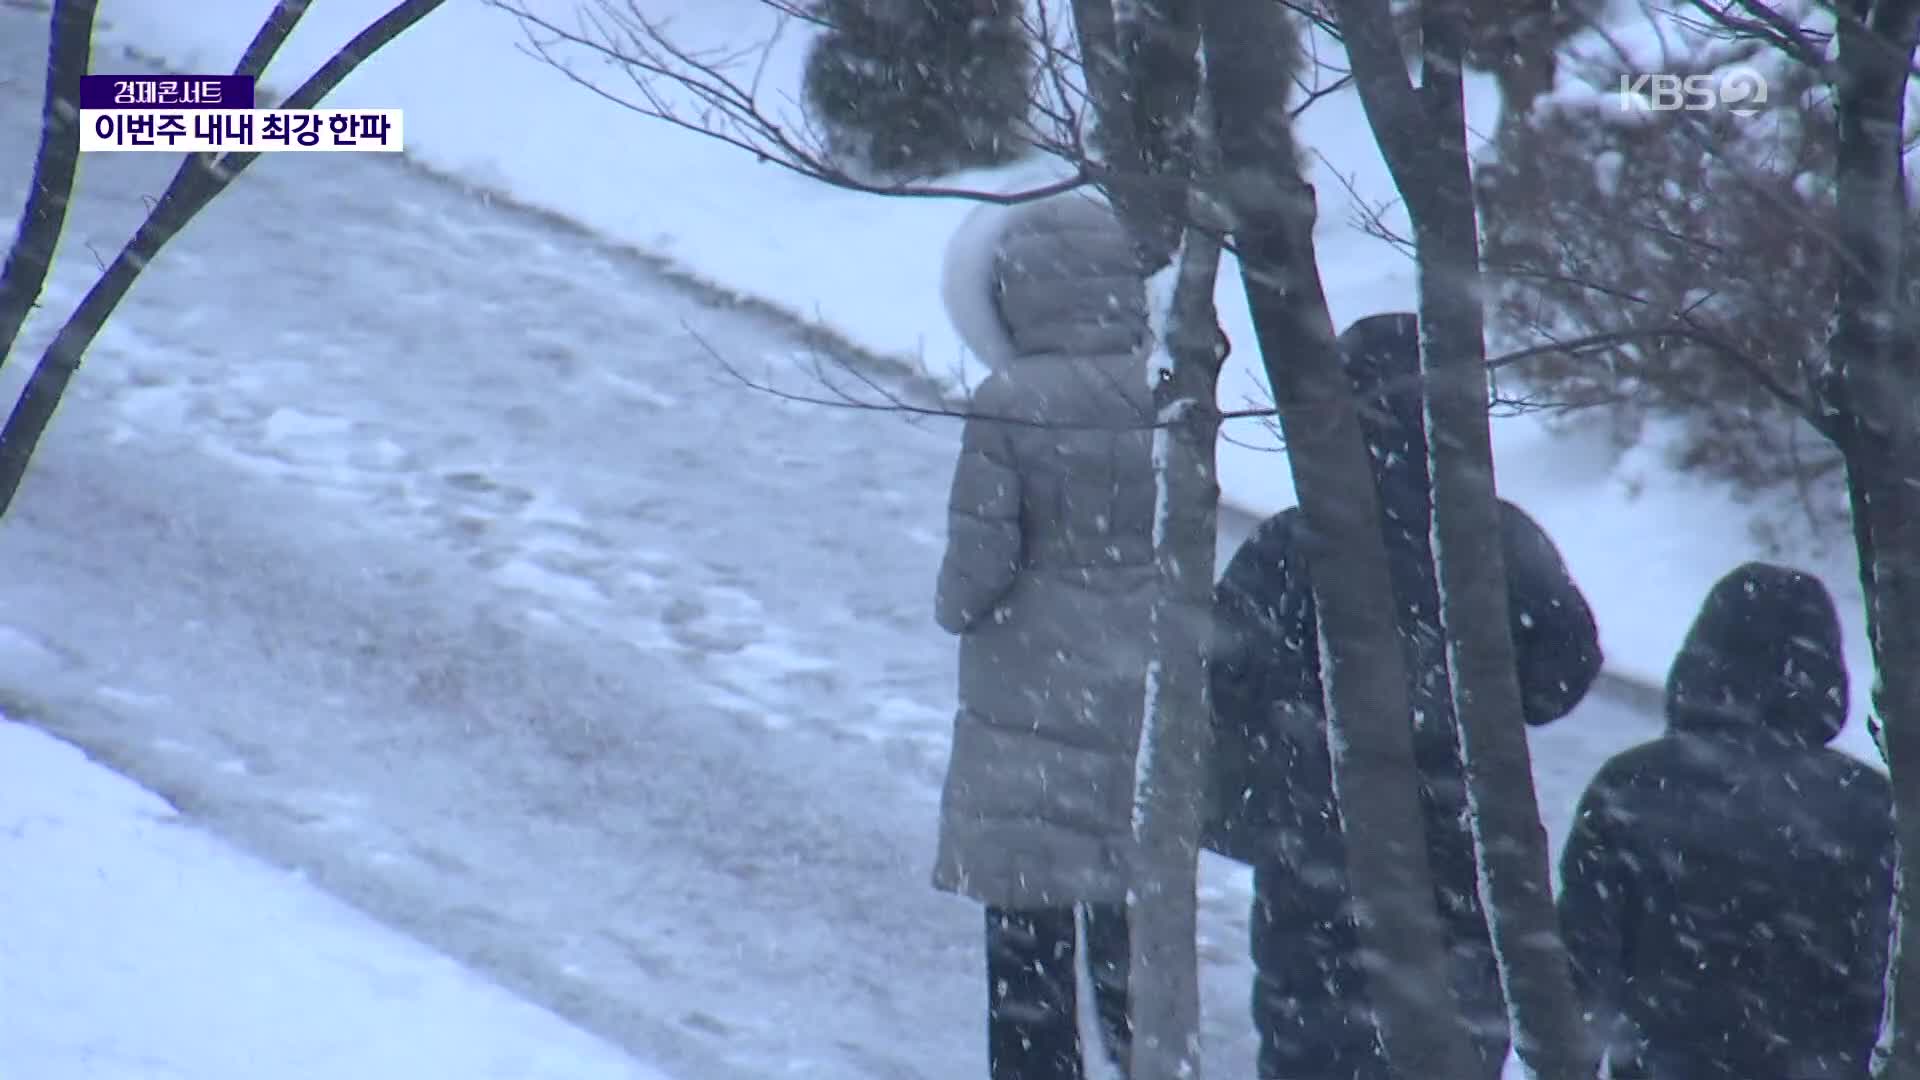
<point x="423" y="544"/>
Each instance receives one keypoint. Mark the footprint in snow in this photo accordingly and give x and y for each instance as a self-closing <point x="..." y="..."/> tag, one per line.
<point x="474" y="486"/>
<point x="715" y="620"/>
<point x="561" y="358"/>
<point x="562" y="584"/>
<point x="783" y="670"/>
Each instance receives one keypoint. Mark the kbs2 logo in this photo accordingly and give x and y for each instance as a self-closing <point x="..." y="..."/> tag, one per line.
<point x="1739" y="90"/>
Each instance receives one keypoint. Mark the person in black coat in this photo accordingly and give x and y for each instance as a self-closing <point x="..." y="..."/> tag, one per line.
<point x="1272" y="802"/>
<point x="1726" y="887"/>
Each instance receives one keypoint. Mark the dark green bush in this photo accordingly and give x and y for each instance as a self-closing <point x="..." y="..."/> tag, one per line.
<point x="920" y="87"/>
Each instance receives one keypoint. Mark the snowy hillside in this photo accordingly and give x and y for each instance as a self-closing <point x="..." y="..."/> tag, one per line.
<point x="212" y="966"/>
<point x="1645" y="544"/>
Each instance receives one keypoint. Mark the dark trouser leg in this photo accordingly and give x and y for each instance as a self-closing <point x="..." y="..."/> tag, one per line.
<point x="1032" y="1008"/>
<point x="1309" y="996"/>
<point x="1313" y="1035"/>
<point x="1108" y="960"/>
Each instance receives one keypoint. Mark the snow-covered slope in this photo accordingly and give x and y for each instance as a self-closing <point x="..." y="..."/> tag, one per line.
<point x="137" y="946"/>
<point x="1645" y="544"/>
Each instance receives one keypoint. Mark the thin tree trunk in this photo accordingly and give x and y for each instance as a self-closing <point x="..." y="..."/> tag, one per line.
<point x="1892" y="528"/>
<point x="1871" y="353"/>
<point x="44" y="217"/>
<point x="1113" y="138"/>
<point x="1549" y="1032"/>
<point x="1510" y="840"/>
<point x="1160" y="50"/>
<point x="1376" y="779"/>
<point x="1164" y="981"/>
<point x="1143" y="73"/>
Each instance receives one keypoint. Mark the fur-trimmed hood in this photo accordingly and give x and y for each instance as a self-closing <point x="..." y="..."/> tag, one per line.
<point x="1053" y="277"/>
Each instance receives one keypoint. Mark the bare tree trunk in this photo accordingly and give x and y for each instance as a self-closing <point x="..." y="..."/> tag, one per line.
<point x="1160" y="46"/>
<point x="1872" y="390"/>
<point x="1422" y="134"/>
<point x="1510" y="840"/>
<point x="1549" y="1032"/>
<point x="1890" y="481"/>
<point x="1376" y="779"/>
<point x="1164" y="983"/>
<point x="1143" y="73"/>
<point x="1098" y="33"/>
<point x="54" y="165"/>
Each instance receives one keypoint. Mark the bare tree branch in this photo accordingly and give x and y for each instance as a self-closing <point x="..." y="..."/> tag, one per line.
<point x="1758" y="21"/>
<point x="273" y="33"/>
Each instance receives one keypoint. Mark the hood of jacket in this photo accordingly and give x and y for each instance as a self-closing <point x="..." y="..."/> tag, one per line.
<point x="1763" y="656"/>
<point x="1381" y="354"/>
<point x="1053" y="277"/>
<point x="1382" y="357"/>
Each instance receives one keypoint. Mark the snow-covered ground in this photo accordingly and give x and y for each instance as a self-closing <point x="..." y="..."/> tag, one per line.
<point x="421" y="545"/>
<point x="1645" y="544"/>
<point x="137" y="946"/>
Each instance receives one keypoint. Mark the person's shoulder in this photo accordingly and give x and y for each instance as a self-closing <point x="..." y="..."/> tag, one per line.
<point x="1278" y="527"/>
<point x="1272" y="538"/>
<point x="1845" y="771"/>
<point x="997" y="387"/>
<point x="1643" y="762"/>
<point x="1522" y="526"/>
<point x="1616" y="789"/>
<point x="1532" y="554"/>
<point x="1511" y="509"/>
<point x="1266" y="561"/>
<point x="998" y="398"/>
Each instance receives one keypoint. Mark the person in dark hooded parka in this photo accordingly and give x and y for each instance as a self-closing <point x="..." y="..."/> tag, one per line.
<point x="1048" y="580"/>
<point x="1272" y="802"/>
<point x="1725" y="888"/>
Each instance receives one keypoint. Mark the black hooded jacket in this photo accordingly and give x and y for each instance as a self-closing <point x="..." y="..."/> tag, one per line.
<point x="1725" y="888"/>
<point x="1271" y="776"/>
